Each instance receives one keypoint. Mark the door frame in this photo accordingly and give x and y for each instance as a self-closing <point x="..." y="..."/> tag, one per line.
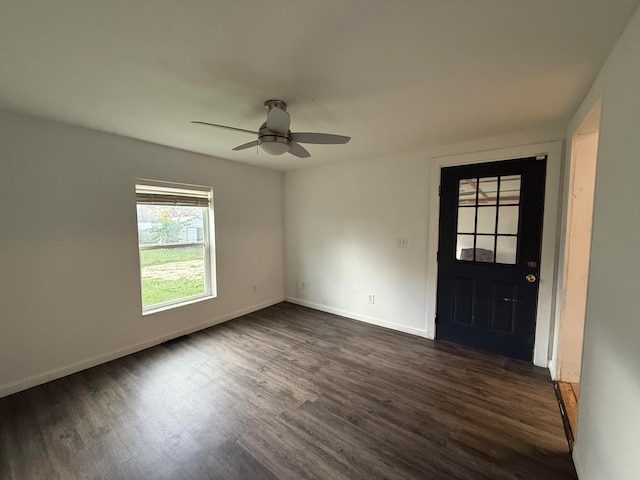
<point x="548" y="260"/>
<point x="587" y="119"/>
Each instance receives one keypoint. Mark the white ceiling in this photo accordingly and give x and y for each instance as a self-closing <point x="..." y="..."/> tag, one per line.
<point x="396" y="76"/>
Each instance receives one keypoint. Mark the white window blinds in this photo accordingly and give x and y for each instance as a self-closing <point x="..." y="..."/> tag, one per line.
<point x="149" y="194"/>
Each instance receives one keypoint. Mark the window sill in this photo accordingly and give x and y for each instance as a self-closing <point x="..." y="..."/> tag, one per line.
<point x="189" y="301"/>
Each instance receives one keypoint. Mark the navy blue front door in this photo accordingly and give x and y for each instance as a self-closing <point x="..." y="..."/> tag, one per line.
<point x="489" y="255"/>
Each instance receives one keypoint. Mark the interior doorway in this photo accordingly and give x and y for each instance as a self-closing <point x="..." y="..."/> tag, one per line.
<point x="580" y="194"/>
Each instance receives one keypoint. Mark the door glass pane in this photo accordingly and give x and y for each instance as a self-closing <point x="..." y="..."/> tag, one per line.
<point x="484" y="248"/>
<point x="466" y="219"/>
<point x="464" y="248"/>
<point x="506" y="250"/>
<point x="488" y="191"/>
<point x="487" y="207"/>
<point x="467" y="191"/>
<point x="508" y="219"/>
<point x="510" y="190"/>
<point x="486" y="220"/>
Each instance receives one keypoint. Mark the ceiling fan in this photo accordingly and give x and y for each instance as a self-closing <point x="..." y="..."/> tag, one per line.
<point x="274" y="136"/>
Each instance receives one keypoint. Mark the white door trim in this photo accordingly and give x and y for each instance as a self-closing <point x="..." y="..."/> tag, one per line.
<point x="546" y="298"/>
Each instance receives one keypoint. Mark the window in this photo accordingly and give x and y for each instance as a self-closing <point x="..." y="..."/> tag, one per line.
<point x="488" y="216"/>
<point x="175" y="229"/>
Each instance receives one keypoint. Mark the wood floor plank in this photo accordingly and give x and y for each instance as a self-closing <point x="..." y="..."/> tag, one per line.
<point x="290" y="393"/>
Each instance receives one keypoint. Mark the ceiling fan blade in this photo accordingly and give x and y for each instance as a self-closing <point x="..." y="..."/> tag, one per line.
<point x="319" y="138"/>
<point x="278" y="121"/>
<point x="224" y="126"/>
<point x="298" y="150"/>
<point x="246" y="145"/>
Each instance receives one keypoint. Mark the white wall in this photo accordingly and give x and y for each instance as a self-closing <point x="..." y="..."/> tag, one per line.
<point x="342" y="223"/>
<point x="69" y="276"/>
<point x="608" y="437"/>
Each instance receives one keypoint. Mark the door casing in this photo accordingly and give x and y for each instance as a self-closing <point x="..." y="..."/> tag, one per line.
<point x="553" y="150"/>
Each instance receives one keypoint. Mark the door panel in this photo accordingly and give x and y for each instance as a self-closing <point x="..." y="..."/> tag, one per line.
<point x="502" y="314"/>
<point x="463" y="300"/>
<point x="489" y="241"/>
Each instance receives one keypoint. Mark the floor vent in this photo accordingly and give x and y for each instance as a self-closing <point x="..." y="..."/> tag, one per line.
<point x="173" y="341"/>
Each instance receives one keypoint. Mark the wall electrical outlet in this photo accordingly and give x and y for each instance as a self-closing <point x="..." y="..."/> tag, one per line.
<point x="402" y="242"/>
<point x="303" y="285"/>
<point x="254" y="289"/>
<point x="372" y="298"/>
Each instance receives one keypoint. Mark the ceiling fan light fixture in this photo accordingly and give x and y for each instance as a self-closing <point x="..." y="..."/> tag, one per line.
<point x="274" y="144"/>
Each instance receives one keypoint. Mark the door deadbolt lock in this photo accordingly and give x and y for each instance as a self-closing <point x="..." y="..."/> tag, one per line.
<point x="530" y="278"/>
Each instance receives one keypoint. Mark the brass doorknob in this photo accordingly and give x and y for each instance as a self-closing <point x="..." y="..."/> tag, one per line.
<point x="530" y="278"/>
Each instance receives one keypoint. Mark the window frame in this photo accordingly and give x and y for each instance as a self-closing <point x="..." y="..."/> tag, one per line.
<point x="151" y="187"/>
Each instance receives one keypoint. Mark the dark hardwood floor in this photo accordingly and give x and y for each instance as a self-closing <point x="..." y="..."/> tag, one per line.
<point x="290" y="393"/>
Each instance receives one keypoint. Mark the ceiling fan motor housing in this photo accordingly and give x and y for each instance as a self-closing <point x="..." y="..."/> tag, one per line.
<point x="273" y="143"/>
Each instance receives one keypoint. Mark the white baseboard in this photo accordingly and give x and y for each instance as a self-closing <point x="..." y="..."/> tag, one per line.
<point x="357" y="316"/>
<point x="56" y="373"/>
